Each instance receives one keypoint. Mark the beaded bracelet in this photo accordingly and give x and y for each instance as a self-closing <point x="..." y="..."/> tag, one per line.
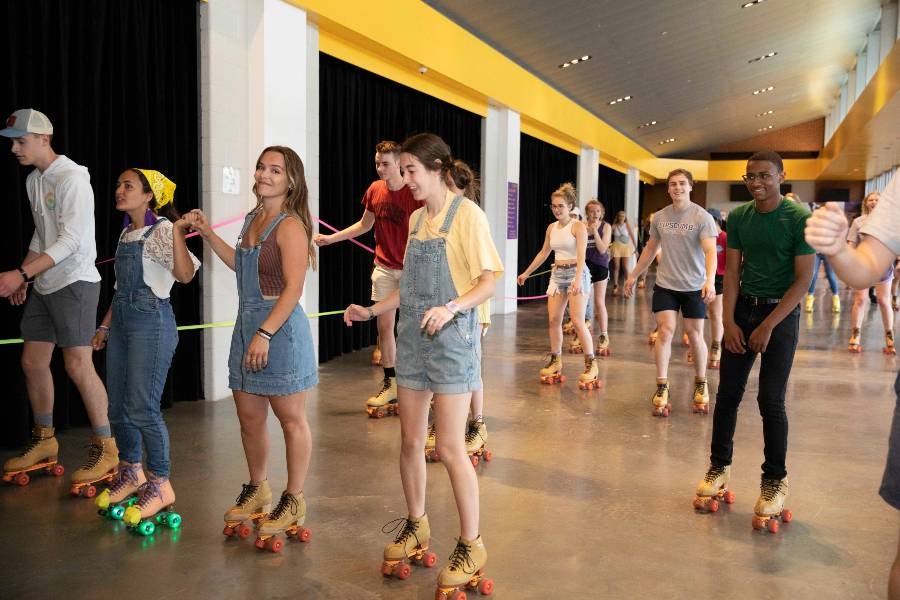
<point x="264" y="334"/>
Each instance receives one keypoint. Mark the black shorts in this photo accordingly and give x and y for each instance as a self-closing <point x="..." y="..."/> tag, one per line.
<point x="598" y="272"/>
<point x="690" y="304"/>
<point x="720" y="280"/>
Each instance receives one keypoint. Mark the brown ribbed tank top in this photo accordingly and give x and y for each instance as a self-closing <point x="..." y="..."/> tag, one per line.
<point x="271" y="278"/>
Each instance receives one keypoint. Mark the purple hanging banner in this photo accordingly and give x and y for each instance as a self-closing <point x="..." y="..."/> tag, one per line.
<point x="512" y="210"/>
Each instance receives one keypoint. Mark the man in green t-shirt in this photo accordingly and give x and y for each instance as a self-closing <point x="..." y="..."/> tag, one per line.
<point x="768" y="267"/>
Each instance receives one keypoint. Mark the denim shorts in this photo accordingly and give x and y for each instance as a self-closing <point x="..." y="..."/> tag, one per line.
<point x="291" y="364"/>
<point x="448" y="362"/>
<point x="562" y="277"/>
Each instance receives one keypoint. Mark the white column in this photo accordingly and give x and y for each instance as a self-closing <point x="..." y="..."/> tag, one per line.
<point x="632" y="196"/>
<point x="256" y="82"/>
<point x="855" y="84"/>
<point x="500" y="135"/>
<point x="588" y="174"/>
<point x="873" y="51"/>
<point x="888" y="29"/>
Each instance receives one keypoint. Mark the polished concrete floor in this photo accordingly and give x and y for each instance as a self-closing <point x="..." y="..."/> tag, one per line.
<point x="588" y="495"/>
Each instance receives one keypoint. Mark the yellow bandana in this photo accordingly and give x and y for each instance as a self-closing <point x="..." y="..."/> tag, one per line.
<point x="163" y="187"/>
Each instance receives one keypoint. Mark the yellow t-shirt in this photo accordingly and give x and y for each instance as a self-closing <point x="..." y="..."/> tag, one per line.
<point x="484" y="312"/>
<point x="470" y="249"/>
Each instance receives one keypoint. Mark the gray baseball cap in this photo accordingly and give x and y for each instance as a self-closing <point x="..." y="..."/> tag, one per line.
<point x="27" y="120"/>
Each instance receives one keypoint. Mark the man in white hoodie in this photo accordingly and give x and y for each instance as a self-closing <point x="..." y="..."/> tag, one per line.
<point x="62" y="308"/>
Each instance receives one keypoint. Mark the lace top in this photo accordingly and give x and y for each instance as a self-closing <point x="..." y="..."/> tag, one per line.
<point x="159" y="257"/>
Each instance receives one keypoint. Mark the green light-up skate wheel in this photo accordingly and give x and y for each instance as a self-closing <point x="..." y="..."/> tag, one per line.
<point x="146" y="528"/>
<point x="116" y="512"/>
<point x="173" y="520"/>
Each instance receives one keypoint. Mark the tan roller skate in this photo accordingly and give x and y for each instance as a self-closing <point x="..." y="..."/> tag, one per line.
<point x="101" y="466"/>
<point x="464" y="570"/>
<point x="590" y="378"/>
<point x="376" y="356"/>
<point x="410" y="545"/>
<point x="552" y="373"/>
<point x="701" y="396"/>
<point x="808" y="303"/>
<point x="384" y="402"/>
<point x="431" y="454"/>
<point x="854" y="347"/>
<point x="770" y="505"/>
<point x="715" y="355"/>
<point x="603" y="345"/>
<point x="660" y="400"/>
<point x="154" y="508"/>
<point x="40" y="453"/>
<point x="251" y="506"/>
<point x="651" y="339"/>
<point x="713" y="489"/>
<point x="889" y="343"/>
<point x="476" y="438"/>
<point x="575" y="346"/>
<point x="287" y="518"/>
<point x="568" y="327"/>
<point x="122" y="493"/>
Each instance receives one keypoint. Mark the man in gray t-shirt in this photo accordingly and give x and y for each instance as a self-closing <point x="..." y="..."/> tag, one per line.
<point x="861" y="267"/>
<point x="685" y="235"/>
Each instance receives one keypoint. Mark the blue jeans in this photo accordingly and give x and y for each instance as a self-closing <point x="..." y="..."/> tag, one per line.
<point x="829" y="273"/>
<point x="774" y="371"/>
<point x="142" y="341"/>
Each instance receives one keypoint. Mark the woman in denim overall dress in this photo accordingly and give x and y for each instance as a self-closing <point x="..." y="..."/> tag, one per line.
<point x="272" y="360"/>
<point x="450" y="268"/>
<point x="140" y="337"/>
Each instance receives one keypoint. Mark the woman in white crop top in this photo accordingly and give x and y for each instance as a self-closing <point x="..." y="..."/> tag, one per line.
<point x="569" y="284"/>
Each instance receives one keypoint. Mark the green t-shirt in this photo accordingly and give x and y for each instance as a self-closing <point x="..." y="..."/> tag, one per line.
<point x="769" y="242"/>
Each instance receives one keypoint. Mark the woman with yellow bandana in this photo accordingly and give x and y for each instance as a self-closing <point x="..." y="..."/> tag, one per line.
<point x="140" y="338"/>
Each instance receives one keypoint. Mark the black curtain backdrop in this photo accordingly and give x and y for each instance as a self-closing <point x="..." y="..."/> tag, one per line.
<point x="357" y="110"/>
<point x="611" y="191"/>
<point x="542" y="168"/>
<point x="118" y="79"/>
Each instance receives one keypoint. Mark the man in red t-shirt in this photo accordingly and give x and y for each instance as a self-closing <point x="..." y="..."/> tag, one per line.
<point x="388" y="204"/>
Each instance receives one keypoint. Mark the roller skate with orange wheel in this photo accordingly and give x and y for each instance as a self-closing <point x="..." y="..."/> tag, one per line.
<point x="250" y="507"/>
<point x="575" y="346"/>
<point x="590" y="378"/>
<point x="464" y="571"/>
<point x="384" y="402"/>
<point x="568" y="327"/>
<point x="101" y="467"/>
<point x="154" y="508"/>
<point x="603" y="345"/>
<point x="685" y="340"/>
<point x="889" y="343"/>
<point x="287" y="518"/>
<point x="376" y="356"/>
<point x="854" y="347"/>
<point x="431" y="454"/>
<point x="409" y="546"/>
<point x="113" y="501"/>
<point x="476" y="438"/>
<point x="552" y="373"/>
<point x="39" y="455"/>
<point x="651" y="339"/>
<point x="701" y="396"/>
<point x="660" y="400"/>
<point x="769" y="507"/>
<point x="713" y="490"/>
<point x="715" y="355"/>
<point x="642" y="283"/>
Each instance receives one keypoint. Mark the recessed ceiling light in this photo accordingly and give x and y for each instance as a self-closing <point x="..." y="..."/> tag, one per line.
<point x="752" y="3"/>
<point x="765" y="113"/>
<point x="647" y="124"/>
<point x="763" y="90"/>
<point x="763" y="57"/>
<point x="575" y="61"/>
<point x="666" y="141"/>
<point x="766" y="128"/>
<point x="619" y="100"/>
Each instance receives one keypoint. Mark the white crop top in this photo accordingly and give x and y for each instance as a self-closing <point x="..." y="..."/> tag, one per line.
<point x="158" y="257"/>
<point x="562" y="242"/>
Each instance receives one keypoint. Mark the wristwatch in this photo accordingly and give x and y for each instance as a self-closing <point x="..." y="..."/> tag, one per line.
<point x="453" y="307"/>
<point x="24" y="275"/>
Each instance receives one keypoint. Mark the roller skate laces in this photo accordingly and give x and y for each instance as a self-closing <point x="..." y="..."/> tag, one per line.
<point x="147" y="492"/>
<point x="464" y="570"/>
<point x="589" y="379"/>
<point x="770" y="505"/>
<point x="288" y="518"/>
<point x="660" y="400"/>
<point x="126" y="483"/>
<point x="701" y="397"/>
<point x="854" y="345"/>
<point x="552" y="372"/>
<point x="889" y="343"/>
<point x="385" y="401"/>
<point x="252" y="504"/>
<point x="714" y="489"/>
<point x="409" y="545"/>
<point x="476" y="438"/>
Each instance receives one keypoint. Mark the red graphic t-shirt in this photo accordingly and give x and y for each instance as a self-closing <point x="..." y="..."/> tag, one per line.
<point x="721" y="245"/>
<point x="392" y="211"/>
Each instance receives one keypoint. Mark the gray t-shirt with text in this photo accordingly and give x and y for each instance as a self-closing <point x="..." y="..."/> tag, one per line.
<point x="883" y="223"/>
<point x="682" y="266"/>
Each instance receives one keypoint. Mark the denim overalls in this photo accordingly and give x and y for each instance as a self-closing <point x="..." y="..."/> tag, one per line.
<point x="448" y="362"/>
<point x="142" y="341"/>
<point x="292" y="361"/>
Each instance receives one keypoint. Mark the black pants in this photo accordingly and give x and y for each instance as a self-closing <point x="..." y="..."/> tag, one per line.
<point x="773" y="376"/>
